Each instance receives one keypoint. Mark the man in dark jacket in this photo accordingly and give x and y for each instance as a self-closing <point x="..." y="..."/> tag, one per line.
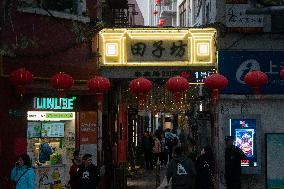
<point x="181" y="170"/>
<point x="88" y="173"/>
<point x="233" y="157"/>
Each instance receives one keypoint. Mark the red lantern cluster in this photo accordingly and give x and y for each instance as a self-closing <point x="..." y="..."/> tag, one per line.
<point x="158" y="2"/>
<point x="140" y="87"/>
<point x="177" y="85"/>
<point x="20" y="78"/>
<point x="255" y="79"/>
<point x="61" y="82"/>
<point x="216" y="83"/>
<point x="99" y="85"/>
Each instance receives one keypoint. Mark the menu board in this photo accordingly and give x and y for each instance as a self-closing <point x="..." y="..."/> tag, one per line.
<point x="52" y="129"/>
<point x="34" y="129"/>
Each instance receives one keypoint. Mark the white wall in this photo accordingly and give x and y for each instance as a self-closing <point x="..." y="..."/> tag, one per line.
<point x="144" y="6"/>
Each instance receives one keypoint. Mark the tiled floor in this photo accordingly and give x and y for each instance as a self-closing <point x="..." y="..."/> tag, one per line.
<point x="144" y="179"/>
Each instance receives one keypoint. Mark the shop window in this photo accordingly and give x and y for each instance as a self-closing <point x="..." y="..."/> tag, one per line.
<point x="182" y="14"/>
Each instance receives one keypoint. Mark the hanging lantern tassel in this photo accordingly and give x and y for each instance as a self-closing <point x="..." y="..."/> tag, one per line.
<point x="100" y="97"/>
<point x="177" y="96"/>
<point x="215" y="96"/>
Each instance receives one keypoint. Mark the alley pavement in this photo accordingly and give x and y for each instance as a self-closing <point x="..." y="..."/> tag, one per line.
<point x="144" y="179"/>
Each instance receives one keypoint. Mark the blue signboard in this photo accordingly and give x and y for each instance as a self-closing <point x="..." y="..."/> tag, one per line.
<point x="236" y="64"/>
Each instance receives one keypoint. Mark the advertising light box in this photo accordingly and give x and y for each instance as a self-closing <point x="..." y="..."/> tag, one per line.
<point x="52" y="129"/>
<point x="244" y="132"/>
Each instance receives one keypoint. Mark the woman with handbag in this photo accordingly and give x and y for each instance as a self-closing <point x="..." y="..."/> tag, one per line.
<point x="205" y="169"/>
<point x="23" y="174"/>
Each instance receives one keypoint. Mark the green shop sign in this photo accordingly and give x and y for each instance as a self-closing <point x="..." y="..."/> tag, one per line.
<point x="46" y="103"/>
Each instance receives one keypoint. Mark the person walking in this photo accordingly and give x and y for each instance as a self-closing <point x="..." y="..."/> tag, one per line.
<point x="23" y="174"/>
<point x="233" y="157"/>
<point x="181" y="170"/>
<point x="74" y="182"/>
<point x="156" y="150"/>
<point x="147" y="144"/>
<point x="88" y="173"/>
<point x="163" y="154"/>
<point x="205" y="169"/>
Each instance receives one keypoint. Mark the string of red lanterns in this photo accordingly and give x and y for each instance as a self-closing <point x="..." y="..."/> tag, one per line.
<point x="140" y="86"/>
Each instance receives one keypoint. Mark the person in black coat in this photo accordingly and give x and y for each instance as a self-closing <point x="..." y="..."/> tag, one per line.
<point x="205" y="169"/>
<point x="233" y="157"/>
<point x="88" y="173"/>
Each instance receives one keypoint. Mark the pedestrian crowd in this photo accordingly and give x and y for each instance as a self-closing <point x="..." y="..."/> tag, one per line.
<point x="83" y="173"/>
<point x="182" y="171"/>
<point x="185" y="172"/>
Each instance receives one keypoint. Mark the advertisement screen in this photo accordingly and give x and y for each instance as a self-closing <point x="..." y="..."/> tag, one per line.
<point x="244" y="132"/>
<point x="52" y="129"/>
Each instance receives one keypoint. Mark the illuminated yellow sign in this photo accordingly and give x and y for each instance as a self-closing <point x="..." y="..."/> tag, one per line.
<point x="157" y="46"/>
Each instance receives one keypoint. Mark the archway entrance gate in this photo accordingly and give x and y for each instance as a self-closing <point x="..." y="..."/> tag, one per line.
<point x="156" y="54"/>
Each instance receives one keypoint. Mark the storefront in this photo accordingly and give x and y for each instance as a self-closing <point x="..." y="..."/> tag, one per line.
<point x="54" y="131"/>
<point x="51" y="139"/>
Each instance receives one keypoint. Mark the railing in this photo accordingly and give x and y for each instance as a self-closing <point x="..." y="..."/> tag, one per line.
<point x="76" y="7"/>
<point x="172" y="7"/>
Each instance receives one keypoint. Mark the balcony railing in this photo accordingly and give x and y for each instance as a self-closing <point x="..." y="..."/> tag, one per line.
<point x="170" y="8"/>
<point x="68" y="9"/>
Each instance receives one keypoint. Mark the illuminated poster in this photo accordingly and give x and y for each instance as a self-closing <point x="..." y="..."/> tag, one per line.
<point x="244" y="140"/>
<point x="244" y="132"/>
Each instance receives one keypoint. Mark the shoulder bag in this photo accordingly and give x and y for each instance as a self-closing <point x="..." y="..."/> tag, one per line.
<point x="22" y="176"/>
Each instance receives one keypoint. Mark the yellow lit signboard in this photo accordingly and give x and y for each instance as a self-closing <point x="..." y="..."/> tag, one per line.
<point x="157" y="47"/>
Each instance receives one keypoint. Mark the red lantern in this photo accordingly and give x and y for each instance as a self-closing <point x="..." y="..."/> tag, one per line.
<point x="155" y="12"/>
<point x="184" y="75"/>
<point x="255" y="79"/>
<point x="162" y="22"/>
<point x="140" y="87"/>
<point x="177" y="85"/>
<point x="20" y="78"/>
<point x="158" y="2"/>
<point x="61" y="82"/>
<point x="282" y="73"/>
<point x="99" y="85"/>
<point x="216" y="83"/>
